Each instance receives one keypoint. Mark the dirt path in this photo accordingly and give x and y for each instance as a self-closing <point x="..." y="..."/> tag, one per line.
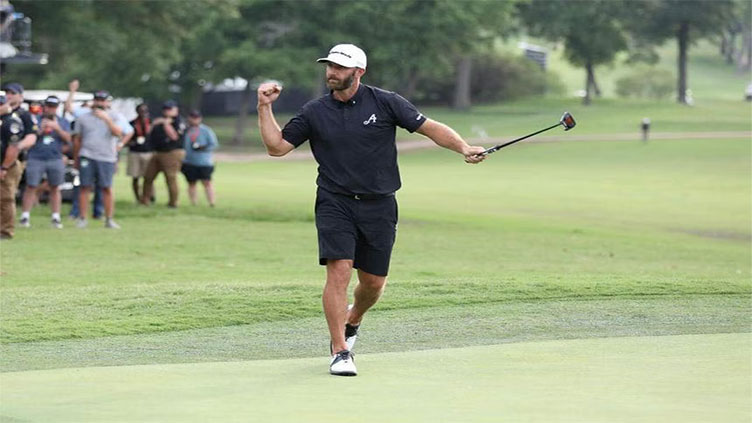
<point x="408" y="145"/>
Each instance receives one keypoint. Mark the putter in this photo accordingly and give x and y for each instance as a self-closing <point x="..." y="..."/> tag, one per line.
<point x="567" y="121"/>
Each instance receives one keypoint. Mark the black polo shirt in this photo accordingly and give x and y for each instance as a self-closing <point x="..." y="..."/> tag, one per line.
<point x="354" y="142"/>
<point x="161" y="142"/>
<point x="14" y="127"/>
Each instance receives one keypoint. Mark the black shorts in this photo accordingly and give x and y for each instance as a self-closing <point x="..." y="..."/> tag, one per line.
<point x="195" y="173"/>
<point x="358" y="229"/>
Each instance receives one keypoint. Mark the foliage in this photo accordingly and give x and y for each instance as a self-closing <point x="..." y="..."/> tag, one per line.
<point x="646" y="82"/>
<point x="495" y="77"/>
<point x="505" y="77"/>
<point x="655" y="21"/>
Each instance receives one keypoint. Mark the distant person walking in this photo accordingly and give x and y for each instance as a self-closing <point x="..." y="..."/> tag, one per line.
<point x="45" y="160"/>
<point x="140" y="150"/>
<point x="18" y="131"/>
<point x="198" y="165"/>
<point x="95" y="139"/>
<point x="166" y="138"/>
<point x="352" y="133"/>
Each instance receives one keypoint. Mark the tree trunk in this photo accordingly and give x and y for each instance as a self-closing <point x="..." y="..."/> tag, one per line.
<point x="240" y="122"/>
<point x="412" y="84"/>
<point x="596" y="88"/>
<point x="195" y="96"/>
<point x="461" y="99"/>
<point x="589" y="81"/>
<point x="731" y="48"/>
<point x="682" y="38"/>
<point x="745" y="63"/>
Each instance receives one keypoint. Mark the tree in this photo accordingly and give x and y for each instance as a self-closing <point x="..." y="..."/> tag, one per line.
<point x="415" y="40"/>
<point x="266" y="39"/>
<point x="590" y="30"/>
<point x="684" y="21"/>
<point x="129" y="48"/>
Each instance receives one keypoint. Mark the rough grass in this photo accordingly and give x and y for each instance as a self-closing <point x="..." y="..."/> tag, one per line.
<point x="586" y="220"/>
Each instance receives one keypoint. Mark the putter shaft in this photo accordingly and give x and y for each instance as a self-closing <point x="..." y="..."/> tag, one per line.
<point x="500" y="146"/>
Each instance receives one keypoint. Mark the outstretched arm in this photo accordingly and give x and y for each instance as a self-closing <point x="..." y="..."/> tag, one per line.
<point x="271" y="133"/>
<point x="448" y="138"/>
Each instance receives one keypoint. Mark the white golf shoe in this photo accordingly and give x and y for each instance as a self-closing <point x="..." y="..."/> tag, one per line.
<point x="343" y="364"/>
<point x="351" y="332"/>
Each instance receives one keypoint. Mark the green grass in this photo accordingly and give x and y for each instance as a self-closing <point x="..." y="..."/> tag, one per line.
<point x="709" y="76"/>
<point x="698" y="378"/>
<point x="539" y="221"/>
<point x="718" y="91"/>
<point x="511" y="120"/>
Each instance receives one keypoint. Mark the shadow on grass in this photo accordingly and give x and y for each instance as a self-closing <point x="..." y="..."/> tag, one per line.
<point x="127" y="209"/>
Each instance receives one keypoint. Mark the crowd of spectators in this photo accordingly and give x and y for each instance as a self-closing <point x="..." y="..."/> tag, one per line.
<point x="41" y="140"/>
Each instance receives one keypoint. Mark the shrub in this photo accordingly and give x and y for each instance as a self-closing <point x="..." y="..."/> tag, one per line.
<point x="505" y="77"/>
<point x="646" y="82"/>
<point x="495" y="77"/>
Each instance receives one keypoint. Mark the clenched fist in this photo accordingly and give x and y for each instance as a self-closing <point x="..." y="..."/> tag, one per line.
<point x="268" y="93"/>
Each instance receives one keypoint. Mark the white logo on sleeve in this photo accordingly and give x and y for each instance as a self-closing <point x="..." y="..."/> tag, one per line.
<point x="370" y="119"/>
<point x="420" y="116"/>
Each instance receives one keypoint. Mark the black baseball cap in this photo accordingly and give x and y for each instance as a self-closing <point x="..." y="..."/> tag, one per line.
<point x="169" y="104"/>
<point x="195" y="113"/>
<point x="102" y="95"/>
<point x="52" y="101"/>
<point x="13" y="87"/>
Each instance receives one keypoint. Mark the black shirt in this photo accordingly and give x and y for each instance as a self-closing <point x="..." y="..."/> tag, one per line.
<point x="14" y="127"/>
<point x="354" y="142"/>
<point x="140" y="141"/>
<point x="161" y="142"/>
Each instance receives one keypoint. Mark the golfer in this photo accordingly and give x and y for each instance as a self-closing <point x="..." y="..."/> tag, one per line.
<point x="352" y="134"/>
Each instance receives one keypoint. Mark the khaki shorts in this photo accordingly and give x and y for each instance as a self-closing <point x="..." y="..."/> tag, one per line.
<point x="137" y="163"/>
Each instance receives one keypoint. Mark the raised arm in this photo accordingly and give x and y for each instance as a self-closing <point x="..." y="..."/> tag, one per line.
<point x="448" y="138"/>
<point x="72" y="88"/>
<point x="271" y="133"/>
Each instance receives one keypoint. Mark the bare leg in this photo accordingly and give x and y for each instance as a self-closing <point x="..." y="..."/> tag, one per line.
<point x="55" y="199"/>
<point x="338" y="273"/>
<point x="29" y="198"/>
<point x="192" y="192"/>
<point x="367" y="293"/>
<point x="109" y="202"/>
<point x="83" y="201"/>
<point x="209" y="189"/>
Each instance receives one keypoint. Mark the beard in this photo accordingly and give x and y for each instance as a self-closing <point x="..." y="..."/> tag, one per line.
<point x="341" y="84"/>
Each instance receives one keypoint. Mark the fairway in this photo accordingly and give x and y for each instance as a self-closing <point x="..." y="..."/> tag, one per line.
<point x="577" y="281"/>
<point x="692" y="378"/>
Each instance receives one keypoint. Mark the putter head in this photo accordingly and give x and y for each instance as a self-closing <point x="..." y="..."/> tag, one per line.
<point x="567" y="121"/>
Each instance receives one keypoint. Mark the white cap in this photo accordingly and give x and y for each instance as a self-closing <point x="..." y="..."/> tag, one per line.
<point x="347" y="55"/>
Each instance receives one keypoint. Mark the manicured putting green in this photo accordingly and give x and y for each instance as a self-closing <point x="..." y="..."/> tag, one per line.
<point x="687" y="378"/>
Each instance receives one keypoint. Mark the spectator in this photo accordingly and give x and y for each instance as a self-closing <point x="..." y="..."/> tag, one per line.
<point x="198" y="165"/>
<point x="76" y="112"/>
<point x="18" y="131"/>
<point x="35" y="108"/>
<point x="139" y="149"/>
<point x="166" y="138"/>
<point x="45" y="158"/>
<point x="95" y="152"/>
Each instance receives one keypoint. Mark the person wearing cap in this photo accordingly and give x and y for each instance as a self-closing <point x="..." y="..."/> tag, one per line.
<point x="167" y="140"/>
<point x="18" y="131"/>
<point x="352" y="134"/>
<point x="95" y="142"/>
<point x="45" y="160"/>
<point x="140" y="150"/>
<point x="198" y="165"/>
